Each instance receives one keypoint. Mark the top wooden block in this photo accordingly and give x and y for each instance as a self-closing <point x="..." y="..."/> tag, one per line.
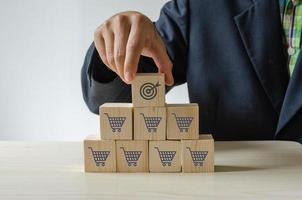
<point x="148" y="89"/>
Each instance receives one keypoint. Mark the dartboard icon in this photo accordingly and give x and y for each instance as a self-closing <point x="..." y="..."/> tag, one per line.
<point x="149" y="90"/>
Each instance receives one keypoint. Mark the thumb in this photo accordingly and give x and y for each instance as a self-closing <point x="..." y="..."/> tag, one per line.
<point x="157" y="51"/>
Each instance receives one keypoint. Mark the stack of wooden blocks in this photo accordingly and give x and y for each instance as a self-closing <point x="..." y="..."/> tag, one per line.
<point x="149" y="135"/>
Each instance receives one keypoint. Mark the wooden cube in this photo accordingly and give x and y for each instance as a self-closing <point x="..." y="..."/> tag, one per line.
<point x="99" y="155"/>
<point x="164" y="156"/>
<point x="148" y="89"/>
<point x="182" y="121"/>
<point x="198" y="155"/>
<point x="150" y="123"/>
<point x="116" y="121"/>
<point x="132" y="156"/>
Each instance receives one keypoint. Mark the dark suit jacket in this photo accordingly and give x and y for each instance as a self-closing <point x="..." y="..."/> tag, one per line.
<point x="230" y="53"/>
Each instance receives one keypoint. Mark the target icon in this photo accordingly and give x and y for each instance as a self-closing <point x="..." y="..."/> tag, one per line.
<point x="149" y="90"/>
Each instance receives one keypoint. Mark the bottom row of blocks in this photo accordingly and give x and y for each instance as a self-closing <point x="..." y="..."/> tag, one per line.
<point x="149" y="156"/>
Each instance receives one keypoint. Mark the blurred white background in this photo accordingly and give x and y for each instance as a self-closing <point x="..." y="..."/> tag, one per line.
<point x="42" y="47"/>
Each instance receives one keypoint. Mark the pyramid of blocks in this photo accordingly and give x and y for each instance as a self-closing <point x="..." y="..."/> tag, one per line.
<point x="149" y="135"/>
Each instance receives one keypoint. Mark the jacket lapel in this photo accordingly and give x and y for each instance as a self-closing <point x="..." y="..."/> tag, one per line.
<point x="293" y="98"/>
<point x="261" y="33"/>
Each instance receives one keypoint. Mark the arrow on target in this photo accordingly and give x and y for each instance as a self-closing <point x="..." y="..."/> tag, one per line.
<point x="149" y="90"/>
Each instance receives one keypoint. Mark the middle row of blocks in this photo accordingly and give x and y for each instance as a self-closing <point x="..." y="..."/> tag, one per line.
<point x="122" y="121"/>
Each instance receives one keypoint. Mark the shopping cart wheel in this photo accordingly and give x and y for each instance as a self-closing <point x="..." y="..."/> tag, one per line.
<point x="164" y="164"/>
<point x="196" y="164"/>
<point x="97" y="164"/>
<point x="113" y="130"/>
<point x="103" y="164"/>
<point x="149" y="130"/>
<point x="129" y="164"/>
<point x="134" y="164"/>
<point x="119" y="130"/>
<point x="169" y="164"/>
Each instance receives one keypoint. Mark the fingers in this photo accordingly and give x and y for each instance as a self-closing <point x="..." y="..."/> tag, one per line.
<point x="160" y="56"/>
<point x="99" y="44"/>
<point x="164" y="65"/>
<point x="109" y="46"/>
<point x="104" y="43"/>
<point x="122" y="29"/>
<point x="134" y="49"/>
<point x="111" y="40"/>
<point x="121" y="40"/>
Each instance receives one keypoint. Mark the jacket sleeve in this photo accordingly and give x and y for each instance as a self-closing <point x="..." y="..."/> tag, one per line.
<point x="100" y="84"/>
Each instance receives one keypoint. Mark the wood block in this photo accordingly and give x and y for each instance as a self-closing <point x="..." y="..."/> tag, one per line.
<point x="132" y="156"/>
<point x="164" y="156"/>
<point x="198" y="155"/>
<point x="148" y="89"/>
<point x="182" y="121"/>
<point x="150" y="123"/>
<point x="116" y="121"/>
<point x="99" y="155"/>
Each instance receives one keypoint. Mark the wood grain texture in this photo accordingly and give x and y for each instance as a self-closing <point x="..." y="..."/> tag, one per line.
<point x="182" y="121"/>
<point x="164" y="156"/>
<point x="198" y="155"/>
<point x="111" y="116"/>
<point x="132" y="156"/>
<point x="94" y="162"/>
<point x="148" y="89"/>
<point x="150" y="123"/>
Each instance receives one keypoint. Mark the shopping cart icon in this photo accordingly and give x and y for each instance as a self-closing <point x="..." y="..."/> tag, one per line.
<point x="116" y="123"/>
<point x="183" y="123"/>
<point x="99" y="157"/>
<point x="198" y="156"/>
<point x="166" y="157"/>
<point x="131" y="156"/>
<point x="151" y="122"/>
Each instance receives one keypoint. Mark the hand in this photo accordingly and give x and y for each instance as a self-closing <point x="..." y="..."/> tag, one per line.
<point x="123" y="38"/>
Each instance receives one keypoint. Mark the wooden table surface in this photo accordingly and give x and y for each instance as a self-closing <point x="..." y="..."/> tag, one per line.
<point x="244" y="170"/>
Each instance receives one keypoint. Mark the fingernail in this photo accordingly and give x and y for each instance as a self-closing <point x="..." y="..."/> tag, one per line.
<point x="128" y="76"/>
<point x="170" y="83"/>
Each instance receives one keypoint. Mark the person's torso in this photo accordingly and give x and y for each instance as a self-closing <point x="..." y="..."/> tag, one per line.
<point x="237" y="71"/>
